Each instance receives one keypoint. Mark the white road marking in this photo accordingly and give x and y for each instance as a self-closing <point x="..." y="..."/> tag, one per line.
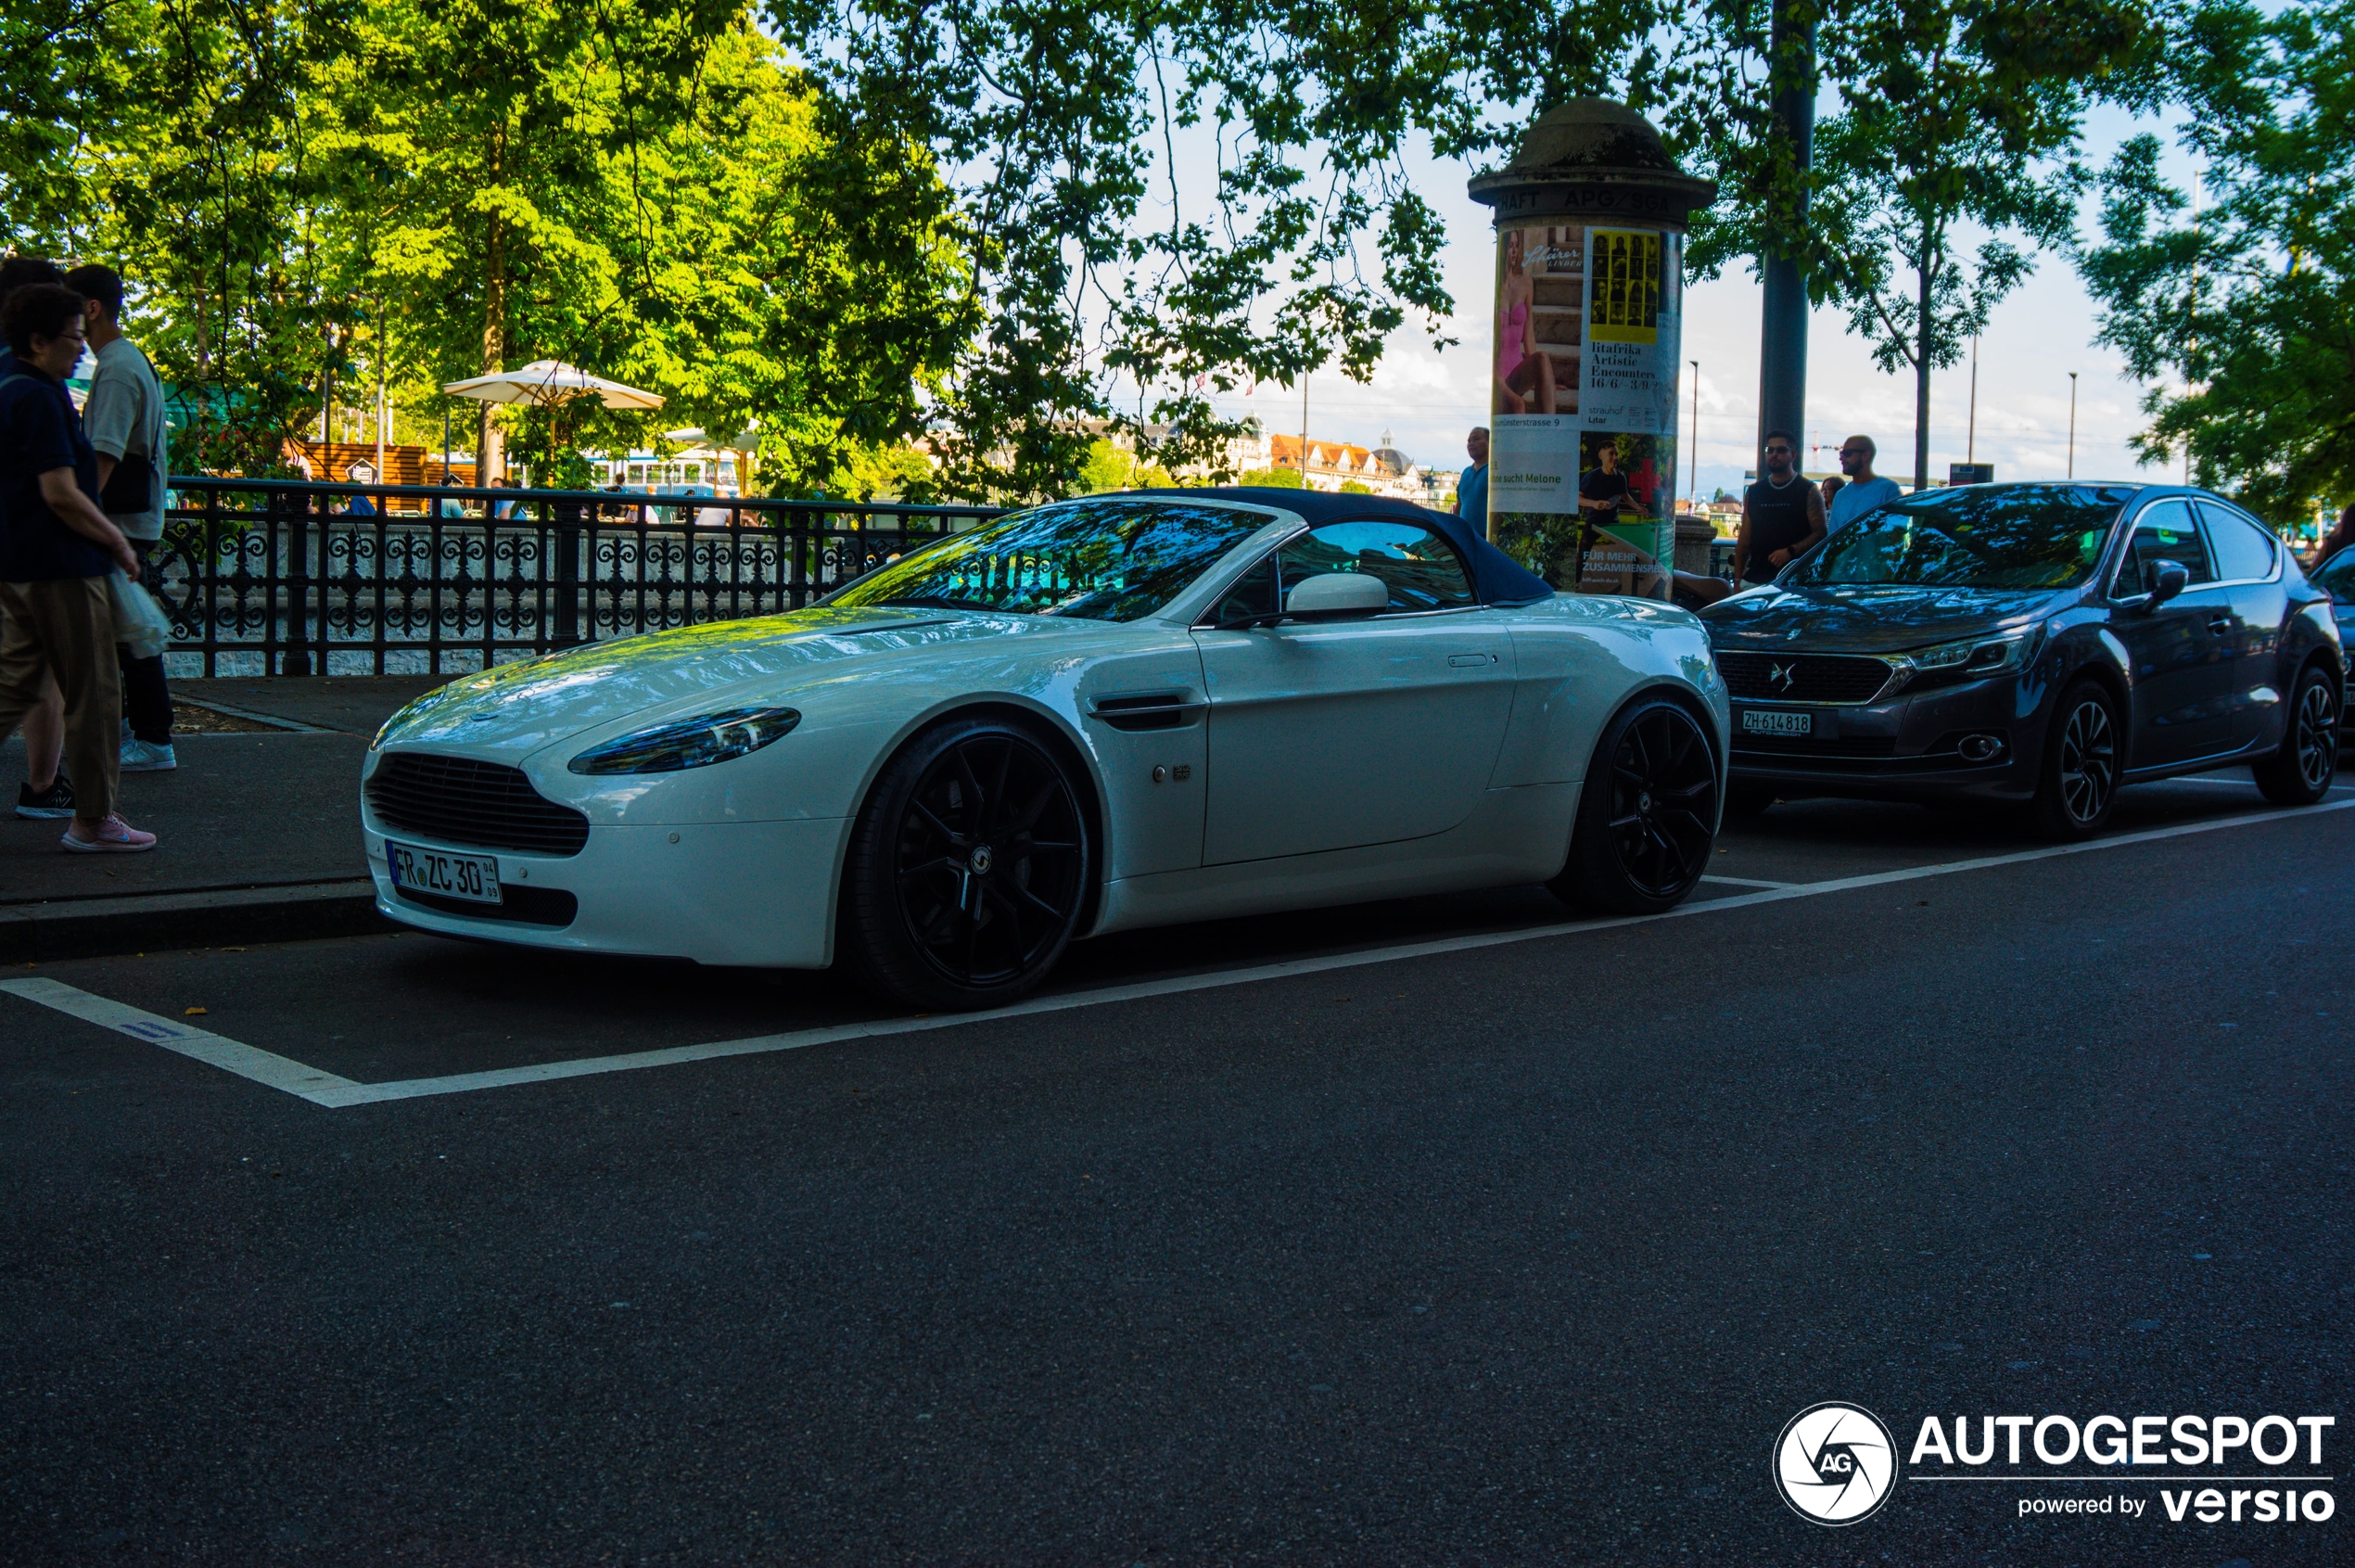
<point x="246" y="1061"/>
<point x="327" y="1089"/>
<point x="1752" y="882"/>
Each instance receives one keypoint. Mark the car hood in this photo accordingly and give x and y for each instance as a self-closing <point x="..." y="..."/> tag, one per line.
<point x="1869" y="618"/>
<point x="520" y="707"/>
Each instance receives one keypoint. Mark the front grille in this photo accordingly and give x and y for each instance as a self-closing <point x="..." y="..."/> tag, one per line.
<point x="484" y="805"/>
<point x="1849" y="678"/>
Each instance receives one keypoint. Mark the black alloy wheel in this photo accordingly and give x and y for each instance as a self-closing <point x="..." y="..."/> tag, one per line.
<point x="1647" y="816"/>
<point x="968" y="868"/>
<point x="2079" y="782"/>
<point x="2302" y="772"/>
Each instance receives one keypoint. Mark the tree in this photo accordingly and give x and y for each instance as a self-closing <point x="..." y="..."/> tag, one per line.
<point x="1954" y="115"/>
<point x="2243" y="320"/>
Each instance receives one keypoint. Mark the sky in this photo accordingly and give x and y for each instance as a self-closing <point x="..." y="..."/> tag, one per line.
<point x="1427" y="402"/>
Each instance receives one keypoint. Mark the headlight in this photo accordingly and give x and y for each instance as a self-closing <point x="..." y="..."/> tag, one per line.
<point x="1971" y="658"/>
<point x="689" y="743"/>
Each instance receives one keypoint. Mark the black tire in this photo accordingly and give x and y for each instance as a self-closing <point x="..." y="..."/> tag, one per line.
<point x="1746" y="802"/>
<point x="2078" y="783"/>
<point x="1647" y="815"/>
<point x="2304" y="768"/>
<point x="968" y="868"/>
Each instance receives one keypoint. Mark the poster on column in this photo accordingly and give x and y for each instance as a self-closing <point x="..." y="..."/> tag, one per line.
<point x="1583" y="422"/>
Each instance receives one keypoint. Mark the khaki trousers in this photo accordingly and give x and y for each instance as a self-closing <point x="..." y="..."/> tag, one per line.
<point x="66" y="625"/>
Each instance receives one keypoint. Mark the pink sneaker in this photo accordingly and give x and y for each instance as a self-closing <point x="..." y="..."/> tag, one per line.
<point x="115" y="837"/>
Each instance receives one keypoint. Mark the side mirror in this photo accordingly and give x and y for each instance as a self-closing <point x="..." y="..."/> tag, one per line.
<point x="2172" y="579"/>
<point x="1337" y="596"/>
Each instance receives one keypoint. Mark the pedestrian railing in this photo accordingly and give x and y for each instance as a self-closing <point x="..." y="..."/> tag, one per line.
<point x="269" y="577"/>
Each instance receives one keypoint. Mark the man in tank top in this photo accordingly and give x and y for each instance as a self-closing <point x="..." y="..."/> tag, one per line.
<point x="1782" y="514"/>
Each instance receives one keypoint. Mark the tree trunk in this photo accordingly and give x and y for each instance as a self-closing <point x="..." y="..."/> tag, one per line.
<point x="488" y="455"/>
<point x="1928" y="274"/>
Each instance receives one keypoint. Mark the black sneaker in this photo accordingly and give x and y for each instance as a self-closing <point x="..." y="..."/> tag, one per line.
<point x="54" y="802"/>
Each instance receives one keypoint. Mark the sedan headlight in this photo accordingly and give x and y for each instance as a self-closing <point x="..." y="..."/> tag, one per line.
<point x="1972" y="658"/>
<point x="689" y="743"/>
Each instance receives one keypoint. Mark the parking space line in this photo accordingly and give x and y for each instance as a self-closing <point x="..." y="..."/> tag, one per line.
<point x="218" y="1050"/>
<point x="1752" y="882"/>
<point x="333" y="1093"/>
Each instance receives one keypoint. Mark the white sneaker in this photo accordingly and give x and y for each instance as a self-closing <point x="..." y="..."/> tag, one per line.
<point x="140" y="757"/>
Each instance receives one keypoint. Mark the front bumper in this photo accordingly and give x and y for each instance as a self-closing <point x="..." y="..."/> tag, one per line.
<point x="757" y="894"/>
<point x="1909" y="746"/>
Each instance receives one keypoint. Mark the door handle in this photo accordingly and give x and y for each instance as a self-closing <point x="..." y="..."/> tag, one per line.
<point x="2220" y="624"/>
<point x="1471" y="661"/>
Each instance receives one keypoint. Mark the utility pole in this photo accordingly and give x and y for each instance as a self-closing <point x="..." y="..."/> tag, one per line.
<point x="1304" y="430"/>
<point x="2072" y="425"/>
<point x="1696" y="463"/>
<point x="380" y="389"/>
<point x="1970" y="434"/>
<point x="1782" y="350"/>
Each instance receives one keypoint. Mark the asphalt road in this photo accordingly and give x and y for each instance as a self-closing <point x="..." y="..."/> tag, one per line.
<point x="1519" y="1250"/>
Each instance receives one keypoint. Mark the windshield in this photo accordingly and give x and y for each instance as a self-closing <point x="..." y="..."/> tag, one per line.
<point x="2338" y="574"/>
<point x="1095" y="560"/>
<point x="2044" y="535"/>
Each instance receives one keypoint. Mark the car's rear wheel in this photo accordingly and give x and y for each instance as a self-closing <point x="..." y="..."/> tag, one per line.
<point x="968" y="868"/>
<point x="2302" y="772"/>
<point x="1647" y="815"/>
<point x="2078" y="781"/>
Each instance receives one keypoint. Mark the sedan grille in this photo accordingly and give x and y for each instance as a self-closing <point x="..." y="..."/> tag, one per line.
<point x="1821" y="678"/>
<point x="484" y="805"/>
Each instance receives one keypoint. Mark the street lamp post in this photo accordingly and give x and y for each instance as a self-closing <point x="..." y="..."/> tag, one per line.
<point x="1696" y="463"/>
<point x="2072" y="425"/>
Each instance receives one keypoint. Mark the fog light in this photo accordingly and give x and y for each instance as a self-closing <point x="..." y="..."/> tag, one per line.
<point x="1980" y="749"/>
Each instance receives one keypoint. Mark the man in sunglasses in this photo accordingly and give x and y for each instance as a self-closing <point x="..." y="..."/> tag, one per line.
<point x="1865" y="490"/>
<point x="1782" y="514"/>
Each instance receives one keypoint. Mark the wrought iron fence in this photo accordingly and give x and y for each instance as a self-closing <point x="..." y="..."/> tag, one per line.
<point x="267" y="577"/>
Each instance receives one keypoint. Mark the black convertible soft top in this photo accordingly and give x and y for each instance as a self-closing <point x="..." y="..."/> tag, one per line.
<point x="1496" y="577"/>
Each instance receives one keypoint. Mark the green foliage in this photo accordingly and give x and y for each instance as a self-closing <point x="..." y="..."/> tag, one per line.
<point x="302" y="195"/>
<point x="1351" y="487"/>
<point x="2243" y="321"/>
<point x="1273" y="478"/>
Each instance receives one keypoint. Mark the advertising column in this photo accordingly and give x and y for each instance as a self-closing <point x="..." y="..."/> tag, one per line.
<point x="1587" y="344"/>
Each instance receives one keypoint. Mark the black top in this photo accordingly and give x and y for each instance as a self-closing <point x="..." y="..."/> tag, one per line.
<point x="1777" y="519"/>
<point x="40" y="430"/>
<point x="1496" y="577"/>
<point x="1599" y="486"/>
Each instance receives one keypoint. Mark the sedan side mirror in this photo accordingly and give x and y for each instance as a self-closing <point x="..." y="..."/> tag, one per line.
<point x="2172" y="579"/>
<point x="1337" y="596"/>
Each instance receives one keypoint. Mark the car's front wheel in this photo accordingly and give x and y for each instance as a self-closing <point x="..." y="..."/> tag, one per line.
<point x="2079" y="782"/>
<point x="968" y="868"/>
<point x="2302" y="772"/>
<point x="1647" y="815"/>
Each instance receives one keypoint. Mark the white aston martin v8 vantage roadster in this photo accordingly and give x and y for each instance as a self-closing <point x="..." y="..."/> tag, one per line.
<point x="1122" y="711"/>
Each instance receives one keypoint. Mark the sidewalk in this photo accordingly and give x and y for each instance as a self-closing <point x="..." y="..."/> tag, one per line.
<point x="259" y="829"/>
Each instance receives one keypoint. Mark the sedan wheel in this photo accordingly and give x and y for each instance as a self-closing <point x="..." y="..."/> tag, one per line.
<point x="1647" y="815"/>
<point x="967" y="869"/>
<point x="2302" y="772"/>
<point x="2079" y="780"/>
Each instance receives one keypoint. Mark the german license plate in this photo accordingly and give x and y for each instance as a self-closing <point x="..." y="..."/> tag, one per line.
<point x="1760" y="722"/>
<point x="474" y="878"/>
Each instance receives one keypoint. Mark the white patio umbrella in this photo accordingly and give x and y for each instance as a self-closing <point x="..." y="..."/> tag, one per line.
<point x="548" y="382"/>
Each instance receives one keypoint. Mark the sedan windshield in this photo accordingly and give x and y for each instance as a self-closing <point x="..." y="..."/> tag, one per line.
<point x="2041" y="536"/>
<point x="1094" y="560"/>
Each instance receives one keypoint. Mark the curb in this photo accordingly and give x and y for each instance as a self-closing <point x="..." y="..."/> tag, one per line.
<point x="104" y="927"/>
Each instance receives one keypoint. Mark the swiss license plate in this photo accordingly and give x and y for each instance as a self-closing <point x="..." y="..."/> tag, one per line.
<point x="474" y="878"/>
<point x="1763" y="721"/>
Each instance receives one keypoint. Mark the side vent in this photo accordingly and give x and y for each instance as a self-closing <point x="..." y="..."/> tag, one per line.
<point x="1152" y="711"/>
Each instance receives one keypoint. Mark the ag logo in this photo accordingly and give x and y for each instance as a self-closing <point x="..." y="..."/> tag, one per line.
<point x="1835" y="1464"/>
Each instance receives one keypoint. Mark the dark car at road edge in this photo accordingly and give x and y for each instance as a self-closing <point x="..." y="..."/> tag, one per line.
<point x="2043" y="644"/>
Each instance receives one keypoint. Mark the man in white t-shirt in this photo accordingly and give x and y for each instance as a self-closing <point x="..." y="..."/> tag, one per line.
<point x="1864" y="490"/>
<point x="124" y="419"/>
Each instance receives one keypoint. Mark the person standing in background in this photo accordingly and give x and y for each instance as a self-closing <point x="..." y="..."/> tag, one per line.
<point x="124" y="421"/>
<point x="1471" y="487"/>
<point x="1865" y="490"/>
<point x="57" y="552"/>
<point x="2338" y="538"/>
<point x="46" y="792"/>
<point x="1782" y="514"/>
<point x="1833" y="485"/>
